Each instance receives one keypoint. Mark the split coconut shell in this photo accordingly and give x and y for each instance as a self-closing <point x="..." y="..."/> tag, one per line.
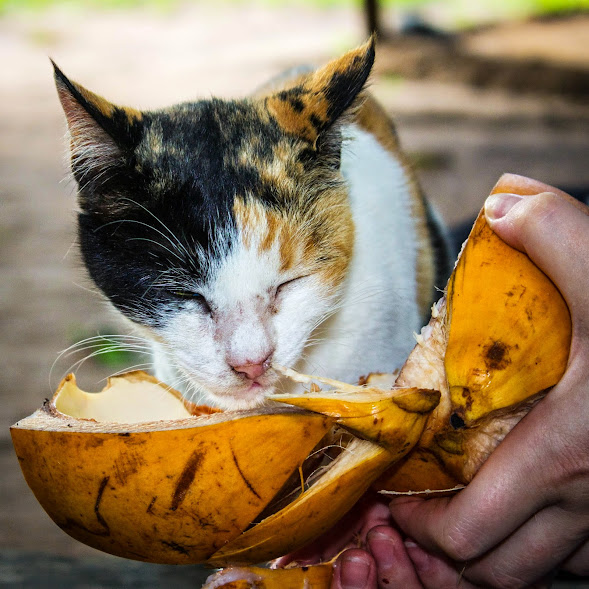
<point x="166" y="486"/>
<point x="137" y="471"/>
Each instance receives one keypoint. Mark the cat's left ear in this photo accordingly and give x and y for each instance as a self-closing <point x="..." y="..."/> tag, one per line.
<point x="310" y="108"/>
<point x="101" y="134"/>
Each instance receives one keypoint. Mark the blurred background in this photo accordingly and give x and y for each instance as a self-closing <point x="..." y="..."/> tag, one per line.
<point x="477" y="88"/>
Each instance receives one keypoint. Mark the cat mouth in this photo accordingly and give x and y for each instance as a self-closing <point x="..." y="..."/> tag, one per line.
<point x="248" y="396"/>
<point x="243" y="394"/>
<point x="257" y="388"/>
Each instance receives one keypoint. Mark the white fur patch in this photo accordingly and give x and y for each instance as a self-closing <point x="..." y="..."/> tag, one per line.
<point x="250" y="322"/>
<point x="369" y="329"/>
<point x="372" y="329"/>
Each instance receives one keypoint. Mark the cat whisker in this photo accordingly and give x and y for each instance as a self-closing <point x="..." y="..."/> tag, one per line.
<point x="156" y="284"/>
<point x="179" y="244"/>
<point x="119" y="222"/>
<point x="156" y="243"/>
<point x="101" y="344"/>
<point x="111" y="340"/>
<point x="91" y="290"/>
<point x="132" y="368"/>
<point x="189" y="389"/>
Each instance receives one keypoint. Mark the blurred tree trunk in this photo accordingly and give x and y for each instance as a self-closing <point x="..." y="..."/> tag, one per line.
<point x="372" y="16"/>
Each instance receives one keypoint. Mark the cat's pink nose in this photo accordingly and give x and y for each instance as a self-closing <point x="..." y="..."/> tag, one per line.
<point x="253" y="370"/>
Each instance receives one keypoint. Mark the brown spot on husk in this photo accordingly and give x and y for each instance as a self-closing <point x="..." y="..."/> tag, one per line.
<point x="186" y="479"/>
<point x="496" y="356"/>
<point x="248" y="484"/>
<point x="468" y="399"/>
<point x="126" y="465"/>
<point x="176" y="547"/>
<point x="150" y="506"/>
<point x="99" y="517"/>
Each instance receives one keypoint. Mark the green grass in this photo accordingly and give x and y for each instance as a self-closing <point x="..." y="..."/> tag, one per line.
<point x="15" y="6"/>
<point x="508" y="7"/>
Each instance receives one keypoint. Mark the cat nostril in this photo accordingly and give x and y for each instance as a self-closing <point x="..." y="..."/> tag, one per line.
<point x="253" y="369"/>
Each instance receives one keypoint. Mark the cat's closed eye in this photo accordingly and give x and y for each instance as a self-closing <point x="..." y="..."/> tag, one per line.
<point x="285" y="286"/>
<point x="193" y="296"/>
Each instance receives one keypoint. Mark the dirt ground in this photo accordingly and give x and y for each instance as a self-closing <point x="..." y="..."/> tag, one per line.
<point x="462" y="138"/>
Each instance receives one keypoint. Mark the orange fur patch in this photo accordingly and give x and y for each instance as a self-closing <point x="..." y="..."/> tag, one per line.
<point x="105" y="107"/>
<point x="308" y="103"/>
<point x="263" y="228"/>
<point x="302" y="247"/>
<point x="298" y="122"/>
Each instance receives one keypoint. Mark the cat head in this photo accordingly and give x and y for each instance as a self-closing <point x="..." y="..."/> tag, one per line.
<point x="221" y="226"/>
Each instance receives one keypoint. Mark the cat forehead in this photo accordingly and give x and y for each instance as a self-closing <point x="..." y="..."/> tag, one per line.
<point x="216" y="173"/>
<point x="248" y="272"/>
<point x="216" y="136"/>
<point x="201" y="157"/>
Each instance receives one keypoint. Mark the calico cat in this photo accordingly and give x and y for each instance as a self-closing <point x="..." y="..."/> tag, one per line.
<point x="282" y="228"/>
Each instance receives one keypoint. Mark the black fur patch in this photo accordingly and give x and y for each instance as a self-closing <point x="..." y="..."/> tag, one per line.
<point x="173" y="199"/>
<point x="162" y="205"/>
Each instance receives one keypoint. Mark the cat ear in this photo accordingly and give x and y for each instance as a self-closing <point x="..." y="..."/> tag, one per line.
<point x="313" y="106"/>
<point x="101" y="134"/>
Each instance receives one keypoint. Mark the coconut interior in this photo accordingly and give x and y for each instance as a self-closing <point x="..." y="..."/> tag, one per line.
<point x="126" y="399"/>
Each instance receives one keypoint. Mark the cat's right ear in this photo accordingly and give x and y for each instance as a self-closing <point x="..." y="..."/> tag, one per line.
<point x="309" y="109"/>
<point x="101" y="134"/>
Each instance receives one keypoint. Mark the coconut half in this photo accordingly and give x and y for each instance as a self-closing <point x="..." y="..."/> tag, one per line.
<point x="138" y="472"/>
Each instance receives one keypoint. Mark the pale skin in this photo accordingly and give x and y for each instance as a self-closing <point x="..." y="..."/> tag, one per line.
<point x="525" y="515"/>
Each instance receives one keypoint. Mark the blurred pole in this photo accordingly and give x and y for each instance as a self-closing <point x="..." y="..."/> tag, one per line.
<point x="371" y="14"/>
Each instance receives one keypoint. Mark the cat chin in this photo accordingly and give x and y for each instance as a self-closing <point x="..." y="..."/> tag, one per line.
<point x="245" y="397"/>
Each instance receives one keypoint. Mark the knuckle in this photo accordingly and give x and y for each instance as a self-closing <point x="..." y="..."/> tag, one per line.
<point x="500" y="579"/>
<point x="460" y="545"/>
<point x="569" y="456"/>
<point x="537" y="211"/>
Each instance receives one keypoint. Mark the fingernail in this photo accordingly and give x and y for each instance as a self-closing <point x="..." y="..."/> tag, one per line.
<point x="377" y="535"/>
<point x="498" y="205"/>
<point x="384" y="548"/>
<point x="354" y="572"/>
<point x="418" y="556"/>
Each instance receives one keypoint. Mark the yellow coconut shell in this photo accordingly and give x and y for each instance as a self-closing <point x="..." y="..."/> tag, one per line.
<point x="509" y="329"/>
<point x="130" y="471"/>
<point x="130" y="474"/>
<point x="314" y="512"/>
<point x="171" y="491"/>
<point x="496" y="343"/>
<point x="309" y="577"/>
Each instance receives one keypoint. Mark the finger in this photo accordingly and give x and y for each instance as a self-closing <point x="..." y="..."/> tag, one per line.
<point x="533" y="551"/>
<point x="435" y="572"/>
<point x="370" y="511"/>
<point x="551" y="230"/>
<point x="505" y="493"/>
<point x="394" y="569"/>
<point x="578" y="562"/>
<point x="354" y="569"/>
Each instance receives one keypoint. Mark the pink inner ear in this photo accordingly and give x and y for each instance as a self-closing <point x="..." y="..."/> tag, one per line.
<point x="92" y="149"/>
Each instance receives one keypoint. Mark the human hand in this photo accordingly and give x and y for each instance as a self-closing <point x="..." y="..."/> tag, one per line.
<point x="374" y="553"/>
<point x="526" y="512"/>
<point x="390" y="562"/>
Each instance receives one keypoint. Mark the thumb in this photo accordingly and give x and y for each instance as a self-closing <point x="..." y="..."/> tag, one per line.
<point x="552" y="230"/>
